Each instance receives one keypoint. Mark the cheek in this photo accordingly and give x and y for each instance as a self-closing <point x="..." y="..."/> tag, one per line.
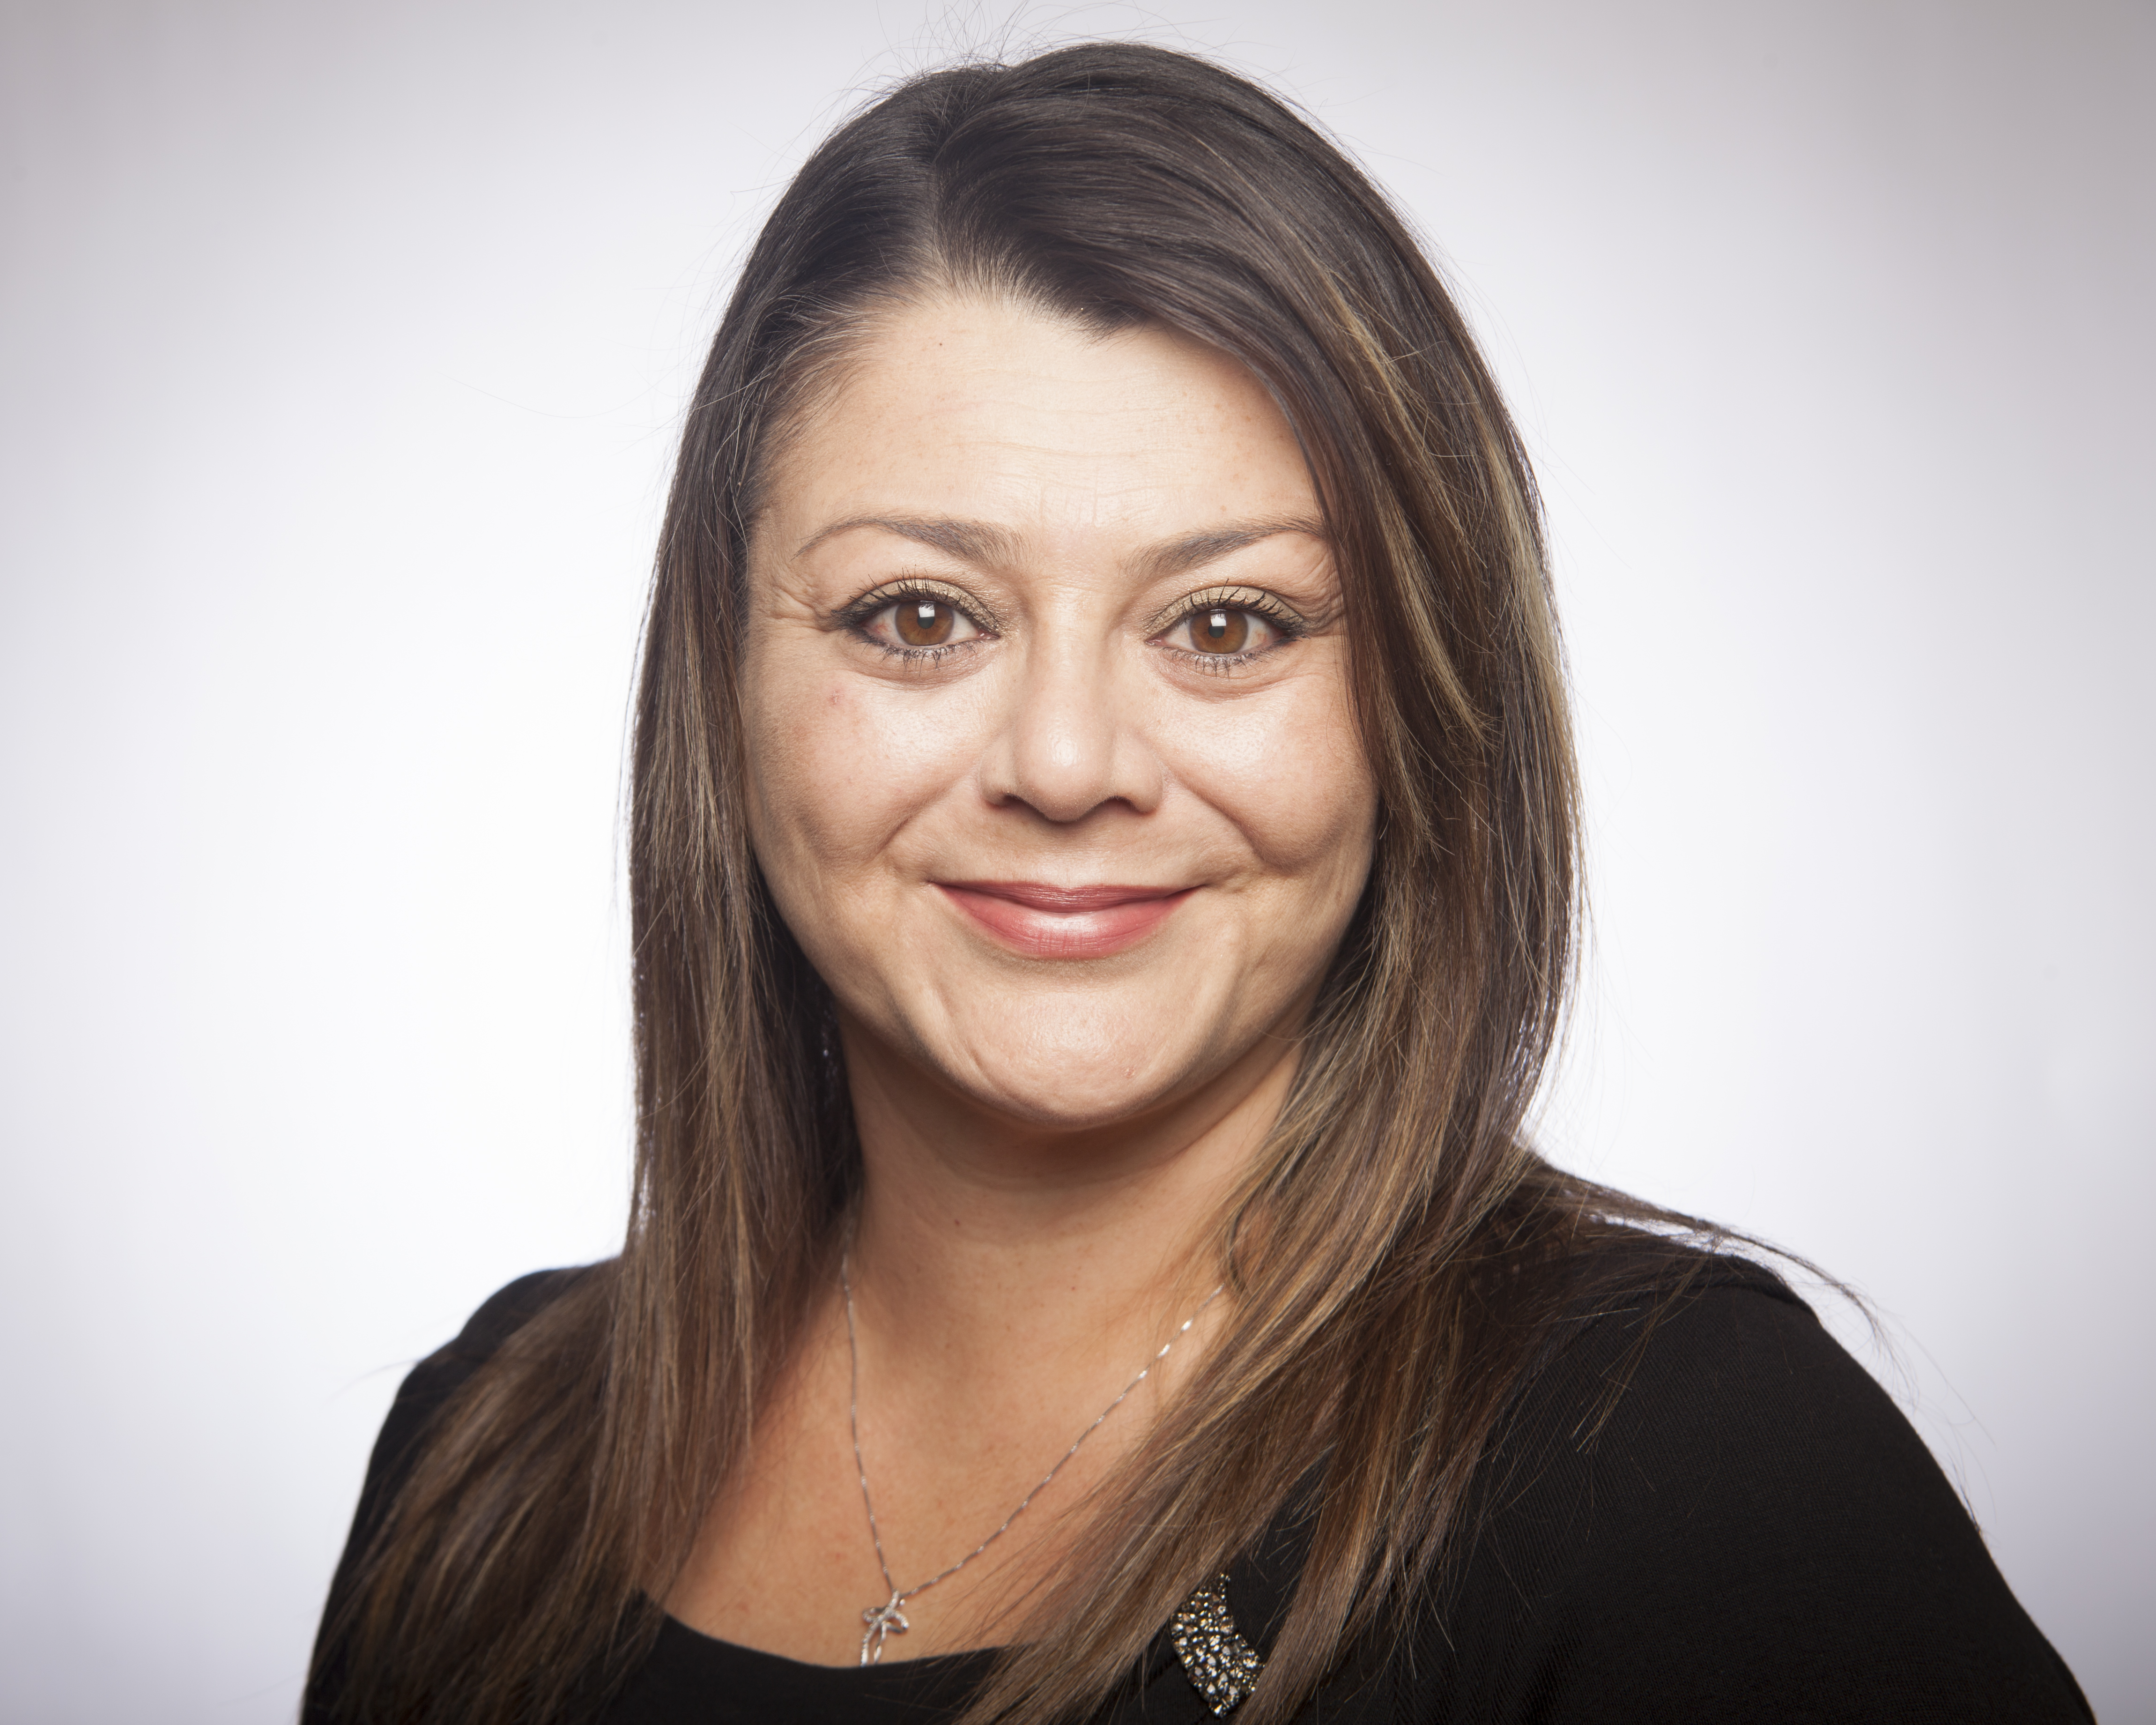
<point x="1289" y="772"/>
<point x="837" y="767"/>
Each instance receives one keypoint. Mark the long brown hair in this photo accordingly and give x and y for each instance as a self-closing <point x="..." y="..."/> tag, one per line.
<point x="1413" y="1250"/>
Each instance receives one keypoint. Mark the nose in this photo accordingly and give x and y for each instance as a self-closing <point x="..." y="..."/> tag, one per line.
<point x="1069" y="742"/>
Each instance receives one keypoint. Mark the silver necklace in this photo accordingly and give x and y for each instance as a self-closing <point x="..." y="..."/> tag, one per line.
<point x="888" y="1619"/>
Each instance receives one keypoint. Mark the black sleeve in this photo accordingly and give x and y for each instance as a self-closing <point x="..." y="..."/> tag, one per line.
<point x="426" y="1389"/>
<point x="1755" y="1533"/>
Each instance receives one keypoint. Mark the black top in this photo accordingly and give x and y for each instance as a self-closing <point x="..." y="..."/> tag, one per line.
<point x="1756" y="1534"/>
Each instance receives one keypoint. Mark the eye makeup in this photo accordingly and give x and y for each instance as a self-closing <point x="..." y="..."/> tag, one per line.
<point x="925" y="616"/>
<point x="1220" y="623"/>
<point x="1229" y="627"/>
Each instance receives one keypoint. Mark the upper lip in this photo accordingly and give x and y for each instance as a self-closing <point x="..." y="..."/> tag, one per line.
<point x="1039" y="895"/>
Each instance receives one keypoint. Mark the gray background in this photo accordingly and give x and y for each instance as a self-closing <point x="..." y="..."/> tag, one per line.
<point x="343" y="348"/>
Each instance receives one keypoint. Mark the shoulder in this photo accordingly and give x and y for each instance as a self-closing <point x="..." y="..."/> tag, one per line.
<point x="431" y="1384"/>
<point x="428" y="1388"/>
<point x="1716" y="1355"/>
<point x="1727" y="1400"/>
<point x="434" y="1379"/>
<point x="1702" y="1502"/>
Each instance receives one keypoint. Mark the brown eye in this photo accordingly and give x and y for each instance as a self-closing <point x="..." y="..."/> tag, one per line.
<point x="1225" y="631"/>
<point x="924" y="623"/>
<point x="1227" y="635"/>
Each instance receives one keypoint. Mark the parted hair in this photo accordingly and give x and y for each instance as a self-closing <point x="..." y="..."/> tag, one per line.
<point x="1399" y="1260"/>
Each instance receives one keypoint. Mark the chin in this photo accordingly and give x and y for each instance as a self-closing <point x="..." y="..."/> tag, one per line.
<point x="1076" y="1071"/>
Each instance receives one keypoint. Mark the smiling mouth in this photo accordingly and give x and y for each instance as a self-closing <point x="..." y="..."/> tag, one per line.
<point x="1043" y="921"/>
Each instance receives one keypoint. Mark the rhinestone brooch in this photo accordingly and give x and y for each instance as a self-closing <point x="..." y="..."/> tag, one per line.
<point x="1222" y="1667"/>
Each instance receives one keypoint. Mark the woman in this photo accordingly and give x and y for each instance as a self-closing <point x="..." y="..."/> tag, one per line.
<point x="1103" y="877"/>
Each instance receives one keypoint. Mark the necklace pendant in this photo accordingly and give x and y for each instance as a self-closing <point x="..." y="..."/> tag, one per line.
<point x="883" y="1621"/>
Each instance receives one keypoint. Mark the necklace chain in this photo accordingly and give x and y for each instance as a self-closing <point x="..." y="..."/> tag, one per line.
<point x="888" y="1619"/>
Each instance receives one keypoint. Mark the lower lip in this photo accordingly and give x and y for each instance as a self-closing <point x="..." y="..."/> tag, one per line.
<point x="1097" y="933"/>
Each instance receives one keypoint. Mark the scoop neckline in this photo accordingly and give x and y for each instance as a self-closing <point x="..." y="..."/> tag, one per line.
<point x="812" y="1671"/>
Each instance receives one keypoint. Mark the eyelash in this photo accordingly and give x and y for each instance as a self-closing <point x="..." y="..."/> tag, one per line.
<point x="858" y="615"/>
<point x="1283" y="622"/>
<point x="1276" y="616"/>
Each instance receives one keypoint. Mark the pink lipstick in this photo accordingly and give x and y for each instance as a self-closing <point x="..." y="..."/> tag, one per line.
<point x="1043" y="921"/>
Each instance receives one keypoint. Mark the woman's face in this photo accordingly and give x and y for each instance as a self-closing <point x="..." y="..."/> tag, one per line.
<point x="1052" y="769"/>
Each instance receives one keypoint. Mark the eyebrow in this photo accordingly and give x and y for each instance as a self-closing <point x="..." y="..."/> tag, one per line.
<point x="1180" y="556"/>
<point x="978" y="542"/>
<point x="970" y="542"/>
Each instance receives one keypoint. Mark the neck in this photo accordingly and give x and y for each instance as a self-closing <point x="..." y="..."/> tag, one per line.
<point x="982" y="1240"/>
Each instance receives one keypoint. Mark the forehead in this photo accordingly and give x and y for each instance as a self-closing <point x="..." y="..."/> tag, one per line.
<point x="982" y="409"/>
